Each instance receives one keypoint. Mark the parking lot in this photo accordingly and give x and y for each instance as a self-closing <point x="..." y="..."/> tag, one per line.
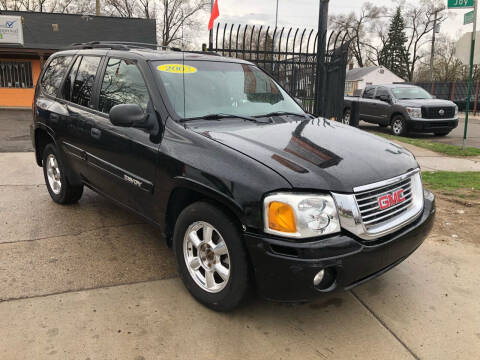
<point x="454" y="138"/>
<point x="92" y="281"/>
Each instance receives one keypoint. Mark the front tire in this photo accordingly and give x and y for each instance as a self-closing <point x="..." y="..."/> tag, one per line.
<point x="399" y="126"/>
<point x="211" y="257"/>
<point x="58" y="186"/>
<point x="347" y="117"/>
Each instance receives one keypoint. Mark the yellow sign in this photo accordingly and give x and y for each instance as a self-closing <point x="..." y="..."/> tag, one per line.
<point x="177" y="69"/>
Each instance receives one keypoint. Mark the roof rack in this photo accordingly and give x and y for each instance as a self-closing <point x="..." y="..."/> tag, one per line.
<point x="120" y="45"/>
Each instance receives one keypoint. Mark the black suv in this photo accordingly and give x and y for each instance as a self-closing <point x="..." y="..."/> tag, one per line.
<point x="248" y="189"/>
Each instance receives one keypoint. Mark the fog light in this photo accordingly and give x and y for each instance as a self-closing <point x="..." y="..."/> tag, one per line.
<point x="318" y="278"/>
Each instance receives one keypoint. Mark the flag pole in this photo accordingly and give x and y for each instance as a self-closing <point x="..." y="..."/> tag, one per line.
<point x="210" y="36"/>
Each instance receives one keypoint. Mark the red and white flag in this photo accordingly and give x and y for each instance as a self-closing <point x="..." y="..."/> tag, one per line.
<point x="215" y="14"/>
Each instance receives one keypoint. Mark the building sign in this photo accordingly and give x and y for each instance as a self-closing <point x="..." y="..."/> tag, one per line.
<point x="11" y="30"/>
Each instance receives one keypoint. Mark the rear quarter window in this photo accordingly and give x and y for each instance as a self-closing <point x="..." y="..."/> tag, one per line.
<point x="53" y="75"/>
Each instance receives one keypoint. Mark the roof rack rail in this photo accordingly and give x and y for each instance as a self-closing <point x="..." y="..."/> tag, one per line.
<point x="120" y="45"/>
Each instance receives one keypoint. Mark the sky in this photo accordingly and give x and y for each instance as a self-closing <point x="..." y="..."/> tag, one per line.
<point x="304" y="13"/>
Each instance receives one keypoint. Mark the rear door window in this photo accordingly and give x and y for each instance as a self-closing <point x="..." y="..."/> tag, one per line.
<point x="52" y="78"/>
<point x="84" y="80"/>
<point x="123" y="84"/>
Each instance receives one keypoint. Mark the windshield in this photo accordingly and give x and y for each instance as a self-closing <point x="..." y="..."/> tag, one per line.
<point x="409" y="93"/>
<point x="201" y="88"/>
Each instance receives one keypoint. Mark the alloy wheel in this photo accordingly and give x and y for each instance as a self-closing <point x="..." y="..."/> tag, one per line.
<point x="53" y="174"/>
<point x="206" y="257"/>
<point x="397" y="126"/>
<point x="346" y="118"/>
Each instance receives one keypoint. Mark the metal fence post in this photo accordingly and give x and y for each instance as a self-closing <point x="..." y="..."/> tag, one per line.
<point x="320" y="66"/>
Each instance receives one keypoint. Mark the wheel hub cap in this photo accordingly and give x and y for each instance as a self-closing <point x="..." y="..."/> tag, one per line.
<point x="206" y="257"/>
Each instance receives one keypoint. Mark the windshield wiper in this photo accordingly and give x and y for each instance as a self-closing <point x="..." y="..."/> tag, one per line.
<point x="222" y="116"/>
<point x="280" y="113"/>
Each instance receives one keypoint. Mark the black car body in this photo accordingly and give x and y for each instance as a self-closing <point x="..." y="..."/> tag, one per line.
<point x="160" y="166"/>
<point x="382" y="104"/>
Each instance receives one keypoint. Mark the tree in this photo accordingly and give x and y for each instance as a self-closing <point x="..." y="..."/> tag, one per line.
<point x="173" y="16"/>
<point x="57" y="6"/>
<point x="359" y="30"/>
<point x="419" y="23"/>
<point x="394" y="55"/>
<point x="446" y="66"/>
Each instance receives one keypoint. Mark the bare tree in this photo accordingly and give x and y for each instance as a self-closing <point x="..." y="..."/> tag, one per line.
<point x="446" y="66"/>
<point x="58" y="6"/>
<point x="359" y="29"/>
<point x="419" y="23"/>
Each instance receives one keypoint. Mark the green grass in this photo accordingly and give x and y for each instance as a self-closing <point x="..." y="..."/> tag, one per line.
<point x="447" y="149"/>
<point x="449" y="180"/>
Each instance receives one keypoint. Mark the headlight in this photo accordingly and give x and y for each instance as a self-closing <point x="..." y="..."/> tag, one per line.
<point x="300" y="215"/>
<point x="456" y="110"/>
<point x="415" y="113"/>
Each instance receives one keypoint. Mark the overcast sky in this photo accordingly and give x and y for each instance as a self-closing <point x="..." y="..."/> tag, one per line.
<point x="304" y="13"/>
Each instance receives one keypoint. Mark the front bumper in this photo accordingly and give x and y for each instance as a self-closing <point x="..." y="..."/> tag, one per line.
<point x="432" y="125"/>
<point x="284" y="270"/>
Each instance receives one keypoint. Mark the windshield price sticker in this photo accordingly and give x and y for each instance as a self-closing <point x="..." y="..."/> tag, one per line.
<point x="177" y="69"/>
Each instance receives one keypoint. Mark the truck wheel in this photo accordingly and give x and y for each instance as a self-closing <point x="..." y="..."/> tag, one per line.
<point x="399" y="126"/>
<point x="211" y="257"/>
<point x="347" y="116"/>
<point x="60" y="190"/>
<point x="442" y="133"/>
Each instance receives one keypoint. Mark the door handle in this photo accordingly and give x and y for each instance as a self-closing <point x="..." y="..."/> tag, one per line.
<point x="96" y="133"/>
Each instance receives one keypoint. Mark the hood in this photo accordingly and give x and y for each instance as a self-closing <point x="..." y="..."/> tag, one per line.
<point x="314" y="154"/>
<point x="426" y="102"/>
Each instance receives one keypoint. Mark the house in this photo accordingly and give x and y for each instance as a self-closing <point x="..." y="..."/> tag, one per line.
<point x="27" y="39"/>
<point x="358" y="79"/>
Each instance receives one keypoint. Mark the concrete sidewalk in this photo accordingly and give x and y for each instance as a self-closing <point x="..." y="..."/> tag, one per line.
<point x="93" y="281"/>
<point x="433" y="161"/>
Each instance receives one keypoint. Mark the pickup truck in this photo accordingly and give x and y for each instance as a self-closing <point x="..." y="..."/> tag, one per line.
<point x="406" y="108"/>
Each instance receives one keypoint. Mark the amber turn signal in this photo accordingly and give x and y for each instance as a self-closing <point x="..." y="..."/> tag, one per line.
<point x="281" y="217"/>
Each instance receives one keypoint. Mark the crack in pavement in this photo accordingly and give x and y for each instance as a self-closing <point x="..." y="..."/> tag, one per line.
<point x="86" y="289"/>
<point x="74" y="233"/>
<point x="381" y="322"/>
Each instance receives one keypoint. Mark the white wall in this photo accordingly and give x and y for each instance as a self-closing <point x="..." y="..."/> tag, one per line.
<point x="377" y="78"/>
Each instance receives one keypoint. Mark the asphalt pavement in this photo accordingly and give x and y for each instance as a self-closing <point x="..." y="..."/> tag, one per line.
<point x="93" y="281"/>
<point x="454" y="138"/>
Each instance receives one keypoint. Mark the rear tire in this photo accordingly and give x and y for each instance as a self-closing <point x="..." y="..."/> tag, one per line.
<point x="54" y="172"/>
<point x="211" y="257"/>
<point x="347" y="117"/>
<point x="443" y="133"/>
<point x="399" y="126"/>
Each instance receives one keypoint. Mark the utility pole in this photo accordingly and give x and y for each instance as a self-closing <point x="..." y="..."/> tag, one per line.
<point x="276" y="16"/>
<point x="432" y="54"/>
<point x="97" y="7"/>
<point x="472" y="54"/>
<point x="320" y="68"/>
<point x="210" y="35"/>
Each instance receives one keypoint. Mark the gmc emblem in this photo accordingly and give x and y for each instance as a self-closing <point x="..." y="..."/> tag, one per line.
<point x="388" y="200"/>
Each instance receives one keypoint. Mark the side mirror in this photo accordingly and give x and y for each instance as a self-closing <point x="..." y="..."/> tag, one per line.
<point x="129" y="115"/>
<point x="385" y="98"/>
<point x="298" y="101"/>
<point x="434" y="97"/>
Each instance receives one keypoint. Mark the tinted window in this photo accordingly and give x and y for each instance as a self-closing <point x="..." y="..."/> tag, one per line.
<point x="381" y="91"/>
<point x="82" y="86"/>
<point x="54" y="74"/>
<point x="122" y="84"/>
<point x="368" y="93"/>
<point x="70" y="79"/>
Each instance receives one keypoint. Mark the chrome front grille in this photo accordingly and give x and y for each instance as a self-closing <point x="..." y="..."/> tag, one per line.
<point x="360" y="212"/>
<point x="368" y="203"/>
